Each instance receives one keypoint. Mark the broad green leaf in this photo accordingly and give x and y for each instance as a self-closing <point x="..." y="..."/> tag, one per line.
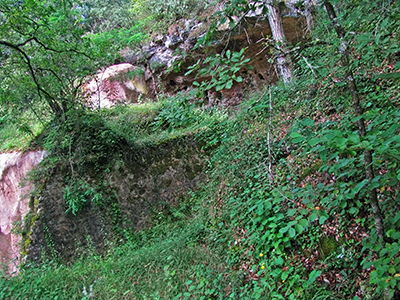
<point x="239" y="79"/>
<point x="360" y="185"/>
<point x="313" y="276"/>
<point x="229" y="84"/>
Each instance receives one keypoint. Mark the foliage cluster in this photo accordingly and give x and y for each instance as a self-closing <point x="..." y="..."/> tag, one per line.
<point x="88" y="145"/>
<point x="109" y="42"/>
<point x="18" y="129"/>
<point x="104" y="16"/>
<point x="277" y="223"/>
<point x="166" y="12"/>
<point x="84" y="148"/>
<point x="284" y="196"/>
<point x="49" y="48"/>
<point x="131" y="122"/>
<point x="340" y="151"/>
<point x="44" y="54"/>
<point x="177" y="112"/>
<point x="80" y="194"/>
<point x="221" y="71"/>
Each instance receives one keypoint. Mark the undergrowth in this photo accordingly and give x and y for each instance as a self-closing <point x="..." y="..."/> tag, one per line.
<point x="271" y="223"/>
<point x="18" y="133"/>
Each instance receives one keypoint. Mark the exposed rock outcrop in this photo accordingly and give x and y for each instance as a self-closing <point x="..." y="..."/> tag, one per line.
<point x="162" y="64"/>
<point x="117" y="84"/>
<point x="14" y="203"/>
<point x="252" y="33"/>
<point x="166" y="59"/>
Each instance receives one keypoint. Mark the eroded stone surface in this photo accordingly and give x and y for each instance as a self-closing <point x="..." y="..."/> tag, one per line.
<point x="116" y="84"/>
<point x="14" y="205"/>
<point x="252" y="33"/>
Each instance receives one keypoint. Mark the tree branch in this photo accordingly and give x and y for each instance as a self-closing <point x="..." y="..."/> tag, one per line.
<point x="45" y="47"/>
<point x="49" y="98"/>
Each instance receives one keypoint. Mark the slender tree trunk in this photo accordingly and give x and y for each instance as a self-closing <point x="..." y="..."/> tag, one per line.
<point x="304" y="8"/>
<point x="352" y="86"/>
<point x="282" y="61"/>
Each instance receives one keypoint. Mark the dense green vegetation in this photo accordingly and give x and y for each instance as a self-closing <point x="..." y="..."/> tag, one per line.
<point x="287" y="210"/>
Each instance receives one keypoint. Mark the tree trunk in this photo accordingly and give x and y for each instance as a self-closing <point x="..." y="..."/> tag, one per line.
<point x="304" y="8"/>
<point x="308" y="13"/>
<point x="282" y="61"/>
<point x="352" y="86"/>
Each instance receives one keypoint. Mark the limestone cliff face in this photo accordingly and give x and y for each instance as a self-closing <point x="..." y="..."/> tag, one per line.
<point x="14" y="203"/>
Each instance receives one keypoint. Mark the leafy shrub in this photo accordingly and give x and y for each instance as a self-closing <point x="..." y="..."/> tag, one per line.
<point x="104" y="16"/>
<point x="18" y="129"/>
<point x="84" y="140"/>
<point x="170" y="10"/>
<point x="83" y="148"/>
<point x="340" y="151"/>
<point x="177" y="112"/>
<point x="111" y="41"/>
<point x="222" y="70"/>
<point x="131" y="122"/>
<point x="79" y="194"/>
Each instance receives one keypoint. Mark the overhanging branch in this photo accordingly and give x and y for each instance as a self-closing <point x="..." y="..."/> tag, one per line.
<point x="41" y="91"/>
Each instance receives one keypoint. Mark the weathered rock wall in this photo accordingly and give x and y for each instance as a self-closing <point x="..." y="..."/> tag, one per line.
<point x="14" y="203"/>
<point x="252" y="33"/>
<point x="141" y="184"/>
<point x="162" y="64"/>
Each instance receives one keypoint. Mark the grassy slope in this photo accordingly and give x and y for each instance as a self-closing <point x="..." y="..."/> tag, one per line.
<point x="167" y="254"/>
<point x="231" y="238"/>
<point x="17" y="134"/>
<point x="156" y="269"/>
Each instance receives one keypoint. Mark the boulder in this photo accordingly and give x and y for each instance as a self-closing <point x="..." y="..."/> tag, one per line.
<point x="116" y="84"/>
